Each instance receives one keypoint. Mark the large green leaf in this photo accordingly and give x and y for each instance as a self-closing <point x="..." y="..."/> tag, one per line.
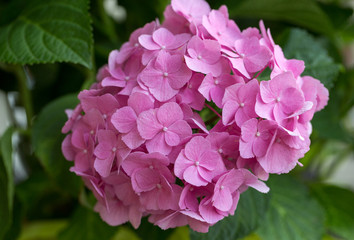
<point x="47" y="138"/>
<point x="46" y="32"/>
<point x="339" y="206"/>
<point x="293" y="214"/>
<point x="304" y="13"/>
<point x="302" y="45"/>
<point x="86" y="225"/>
<point x="249" y="214"/>
<point x="6" y="182"/>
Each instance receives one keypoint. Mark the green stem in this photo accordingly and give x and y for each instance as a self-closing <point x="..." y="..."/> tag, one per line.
<point x="25" y="93"/>
<point x="337" y="162"/>
<point x="108" y="23"/>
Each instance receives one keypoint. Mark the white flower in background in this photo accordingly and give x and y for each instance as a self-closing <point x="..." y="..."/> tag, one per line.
<point x="112" y="8"/>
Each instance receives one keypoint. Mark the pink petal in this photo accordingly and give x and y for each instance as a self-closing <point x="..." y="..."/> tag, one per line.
<point x="158" y="144"/>
<point x="124" y="119"/>
<point x="148" y="126"/>
<point x="191" y="175"/>
<point x="169" y="113"/>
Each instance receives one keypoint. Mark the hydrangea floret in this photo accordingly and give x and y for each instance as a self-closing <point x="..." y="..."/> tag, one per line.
<point x="139" y="142"/>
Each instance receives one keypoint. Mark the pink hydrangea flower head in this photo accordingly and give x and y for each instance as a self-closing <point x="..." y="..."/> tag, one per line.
<point x="147" y="144"/>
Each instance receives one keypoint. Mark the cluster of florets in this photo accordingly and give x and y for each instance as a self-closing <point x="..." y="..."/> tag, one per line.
<point x="139" y="142"/>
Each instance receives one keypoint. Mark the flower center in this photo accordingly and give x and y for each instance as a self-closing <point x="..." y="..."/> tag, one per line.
<point x="114" y="149"/>
<point x="258" y="134"/>
<point x="222" y="187"/>
<point x="158" y="186"/>
<point x="85" y="151"/>
<point x="220" y="150"/>
<point x="163" y="47"/>
<point x="199" y="57"/>
<point x="277" y="99"/>
<point x="216" y="82"/>
<point x="165" y="74"/>
<point x="127" y="78"/>
<point x="196" y="163"/>
<point x="164" y="129"/>
<point x="242" y="104"/>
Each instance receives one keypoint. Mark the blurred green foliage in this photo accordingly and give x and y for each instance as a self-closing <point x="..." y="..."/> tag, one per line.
<point x="59" y="61"/>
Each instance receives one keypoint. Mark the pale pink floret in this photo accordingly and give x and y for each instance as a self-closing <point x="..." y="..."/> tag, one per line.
<point x="248" y="56"/>
<point x="124" y="75"/>
<point x="255" y="137"/>
<point x="110" y="147"/>
<point x="280" y="157"/>
<point x="279" y="63"/>
<point x="197" y="164"/>
<point x="281" y="100"/>
<point x="225" y="144"/>
<point x="163" y="128"/>
<point x="83" y="146"/>
<point x="125" y="119"/>
<point x="203" y="56"/>
<point x="124" y="192"/>
<point x="161" y="40"/>
<point x="239" y="102"/>
<point x="113" y="210"/>
<point x="230" y="185"/>
<point x="165" y="75"/>
<point x="190" y="94"/>
<point x="175" y="22"/>
<point x="213" y="88"/>
<point x="218" y="25"/>
<point x="193" y="11"/>
<point x="152" y="180"/>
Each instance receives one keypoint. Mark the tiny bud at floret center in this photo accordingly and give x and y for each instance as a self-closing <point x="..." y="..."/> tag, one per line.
<point x="164" y="129"/>
<point x="199" y="57"/>
<point x="222" y="187"/>
<point x="220" y="150"/>
<point x="196" y="163"/>
<point x="151" y="167"/>
<point x="163" y="47"/>
<point x="242" y="104"/>
<point x="258" y="134"/>
<point x="127" y="78"/>
<point x="158" y="186"/>
<point x="114" y="149"/>
<point x="85" y="151"/>
<point x="165" y="74"/>
<point x="216" y="82"/>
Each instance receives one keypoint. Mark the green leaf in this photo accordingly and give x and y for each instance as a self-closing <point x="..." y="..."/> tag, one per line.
<point x="47" y="139"/>
<point x="249" y="214"/>
<point x="318" y="64"/>
<point x="293" y="214"/>
<point x="6" y="182"/>
<point x="304" y="13"/>
<point x="339" y="205"/>
<point x="46" y="32"/>
<point x="47" y="229"/>
<point x="86" y="225"/>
